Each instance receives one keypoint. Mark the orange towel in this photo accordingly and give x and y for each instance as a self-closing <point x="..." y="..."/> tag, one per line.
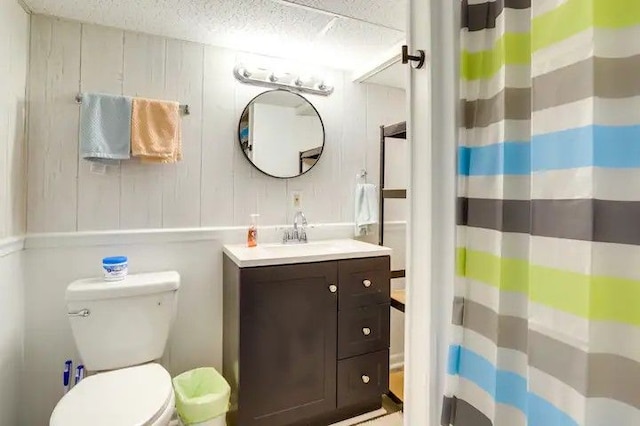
<point x="156" y="134"/>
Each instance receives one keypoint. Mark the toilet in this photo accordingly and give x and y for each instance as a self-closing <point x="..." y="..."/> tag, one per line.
<point x="121" y="330"/>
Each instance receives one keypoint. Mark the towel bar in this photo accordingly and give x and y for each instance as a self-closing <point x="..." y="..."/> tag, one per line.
<point x="184" y="109"/>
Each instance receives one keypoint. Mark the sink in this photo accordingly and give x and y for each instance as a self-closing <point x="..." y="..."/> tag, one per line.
<point x="302" y="247"/>
<point x="316" y="251"/>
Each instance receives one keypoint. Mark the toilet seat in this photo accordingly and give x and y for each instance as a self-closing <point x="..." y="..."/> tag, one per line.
<point x="134" y="396"/>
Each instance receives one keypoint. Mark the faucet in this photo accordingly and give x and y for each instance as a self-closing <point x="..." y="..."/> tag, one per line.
<point x="294" y="234"/>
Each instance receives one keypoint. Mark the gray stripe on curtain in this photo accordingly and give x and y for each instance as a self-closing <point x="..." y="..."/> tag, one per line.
<point x="459" y="412"/>
<point x="611" y="78"/>
<point x="589" y="78"/>
<point x="509" y="104"/>
<point x="505" y="331"/>
<point x="458" y="311"/>
<point x="478" y="17"/>
<point x="582" y="219"/>
<point x="595" y="375"/>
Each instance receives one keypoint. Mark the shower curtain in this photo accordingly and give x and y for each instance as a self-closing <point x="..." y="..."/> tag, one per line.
<point x="547" y="308"/>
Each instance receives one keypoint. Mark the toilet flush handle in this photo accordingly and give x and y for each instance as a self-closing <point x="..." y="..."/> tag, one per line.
<point x="82" y="313"/>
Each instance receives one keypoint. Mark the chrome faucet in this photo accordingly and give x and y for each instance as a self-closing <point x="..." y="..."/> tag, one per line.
<point x="297" y="234"/>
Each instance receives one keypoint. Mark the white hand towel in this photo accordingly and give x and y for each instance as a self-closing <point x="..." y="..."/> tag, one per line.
<point x="366" y="212"/>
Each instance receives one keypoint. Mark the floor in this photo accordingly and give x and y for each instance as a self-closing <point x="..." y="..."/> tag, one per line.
<point x="375" y="418"/>
<point x="394" y="419"/>
<point x="388" y="415"/>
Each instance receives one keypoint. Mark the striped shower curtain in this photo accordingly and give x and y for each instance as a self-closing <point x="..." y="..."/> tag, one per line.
<point x="547" y="307"/>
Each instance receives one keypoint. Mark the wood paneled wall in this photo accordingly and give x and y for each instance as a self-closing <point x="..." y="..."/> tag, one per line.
<point x="214" y="185"/>
<point x="14" y="54"/>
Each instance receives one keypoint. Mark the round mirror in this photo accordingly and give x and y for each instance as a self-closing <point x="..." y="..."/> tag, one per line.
<point x="281" y="134"/>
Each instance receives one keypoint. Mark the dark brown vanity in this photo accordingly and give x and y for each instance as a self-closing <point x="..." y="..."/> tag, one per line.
<point x="306" y="343"/>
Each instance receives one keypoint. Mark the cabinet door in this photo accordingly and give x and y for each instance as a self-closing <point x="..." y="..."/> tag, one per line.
<point x="288" y="343"/>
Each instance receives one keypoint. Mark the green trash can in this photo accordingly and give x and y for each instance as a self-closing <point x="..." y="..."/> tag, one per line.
<point x="202" y="397"/>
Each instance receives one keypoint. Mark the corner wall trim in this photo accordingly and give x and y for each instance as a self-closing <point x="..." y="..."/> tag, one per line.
<point x="25" y="6"/>
<point x="11" y="245"/>
<point x="379" y="64"/>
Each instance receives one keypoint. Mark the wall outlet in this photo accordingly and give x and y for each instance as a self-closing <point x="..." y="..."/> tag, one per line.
<point x="296" y="199"/>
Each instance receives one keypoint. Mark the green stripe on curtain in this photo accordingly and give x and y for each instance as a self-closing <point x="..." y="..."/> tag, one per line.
<point x="616" y="13"/>
<point x="511" y="49"/>
<point x="588" y="296"/>
<point x="571" y="18"/>
<point x="576" y="16"/>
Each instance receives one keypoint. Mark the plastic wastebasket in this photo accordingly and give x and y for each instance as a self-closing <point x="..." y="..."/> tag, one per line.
<point x="202" y="395"/>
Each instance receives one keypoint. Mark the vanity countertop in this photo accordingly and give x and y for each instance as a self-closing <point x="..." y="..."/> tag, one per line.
<point x="316" y="251"/>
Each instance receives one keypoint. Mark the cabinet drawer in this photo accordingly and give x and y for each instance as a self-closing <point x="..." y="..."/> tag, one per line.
<point x="363" y="282"/>
<point x="364" y="378"/>
<point x="363" y="330"/>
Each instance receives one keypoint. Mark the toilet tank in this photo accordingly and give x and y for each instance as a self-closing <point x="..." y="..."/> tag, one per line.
<point x="123" y="323"/>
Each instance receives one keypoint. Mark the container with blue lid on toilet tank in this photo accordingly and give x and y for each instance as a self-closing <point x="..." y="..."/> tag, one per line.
<point x="115" y="268"/>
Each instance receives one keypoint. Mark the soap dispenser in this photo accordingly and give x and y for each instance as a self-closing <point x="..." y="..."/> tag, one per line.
<point x="252" y="233"/>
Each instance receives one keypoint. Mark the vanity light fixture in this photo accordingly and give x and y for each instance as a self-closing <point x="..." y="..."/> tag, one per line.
<point x="280" y="80"/>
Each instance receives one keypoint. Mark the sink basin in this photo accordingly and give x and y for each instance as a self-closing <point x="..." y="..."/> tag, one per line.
<point x="316" y="251"/>
<point x="301" y="247"/>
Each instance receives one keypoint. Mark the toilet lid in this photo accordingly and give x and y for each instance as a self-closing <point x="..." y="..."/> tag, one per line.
<point x="132" y="396"/>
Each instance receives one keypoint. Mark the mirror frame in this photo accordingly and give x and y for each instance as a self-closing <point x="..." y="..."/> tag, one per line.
<point x="324" y="133"/>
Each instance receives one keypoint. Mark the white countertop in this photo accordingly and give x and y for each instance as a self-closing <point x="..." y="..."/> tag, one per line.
<point x="316" y="251"/>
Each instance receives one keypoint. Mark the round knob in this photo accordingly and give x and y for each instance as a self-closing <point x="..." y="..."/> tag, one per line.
<point x="366" y="283"/>
<point x="333" y="288"/>
<point x="365" y="379"/>
<point x="366" y="331"/>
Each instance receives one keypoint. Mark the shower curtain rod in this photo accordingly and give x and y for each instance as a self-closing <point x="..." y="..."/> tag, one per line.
<point x="184" y="108"/>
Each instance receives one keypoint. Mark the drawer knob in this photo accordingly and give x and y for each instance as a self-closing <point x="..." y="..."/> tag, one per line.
<point x="365" y="379"/>
<point x="333" y="288"/>
<point x="366" y="283"/>
<point x="366" y="331"/>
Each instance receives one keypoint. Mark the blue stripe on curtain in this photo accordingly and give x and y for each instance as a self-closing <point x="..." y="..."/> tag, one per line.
<point x="453" y="361"/>
<point x="508" y="388"/>
<point x="509" y="158"/>
<point x="591" y="146"/>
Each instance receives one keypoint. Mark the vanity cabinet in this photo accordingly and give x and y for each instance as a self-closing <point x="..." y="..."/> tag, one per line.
<point x="306" y="343"/>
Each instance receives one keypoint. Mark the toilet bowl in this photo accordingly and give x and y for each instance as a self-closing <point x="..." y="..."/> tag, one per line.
<point x="141" y="396"/>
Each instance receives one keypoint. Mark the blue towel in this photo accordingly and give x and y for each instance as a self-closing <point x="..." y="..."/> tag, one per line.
<point x="105" y="127"/>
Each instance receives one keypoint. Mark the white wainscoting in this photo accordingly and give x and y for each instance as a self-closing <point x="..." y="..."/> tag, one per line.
<point x="52" y="261"/>
<point x="11" y="329"/>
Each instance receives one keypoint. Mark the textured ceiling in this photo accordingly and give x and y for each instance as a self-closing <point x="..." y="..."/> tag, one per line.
<point x="341" y="33"/>
<point x="389" y="13"/>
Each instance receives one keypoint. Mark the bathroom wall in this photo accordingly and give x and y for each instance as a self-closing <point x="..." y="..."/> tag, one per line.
<point x="14" y="45"/>
<point x="14" y="54"/>
<point x="173" y="216"/>
<point x="214" y="185"/>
